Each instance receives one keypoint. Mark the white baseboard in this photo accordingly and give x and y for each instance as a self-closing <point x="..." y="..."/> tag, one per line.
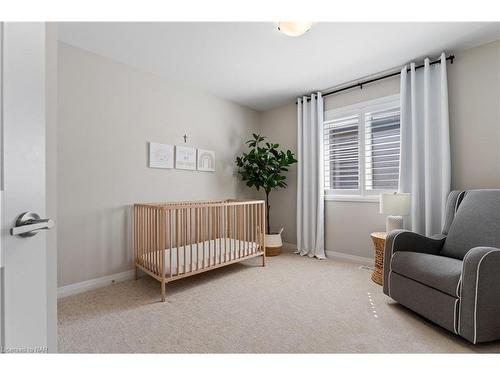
<point x="334" y="254"/>
<point x="353" y="258"/>
<point x="289" y="246"/>
<point x="85" y="286"/>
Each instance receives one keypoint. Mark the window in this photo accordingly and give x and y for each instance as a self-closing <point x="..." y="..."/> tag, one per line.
<point x="361" y="146"/>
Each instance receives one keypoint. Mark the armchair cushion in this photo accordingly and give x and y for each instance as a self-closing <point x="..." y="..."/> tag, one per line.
<point x="403" y="240"/>
<point x="475" y="223"/>
<point x="435" y="271"/>
<point x="452" y="203"/>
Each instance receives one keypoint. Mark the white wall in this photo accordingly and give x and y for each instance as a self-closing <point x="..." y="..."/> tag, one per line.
<point x="474" y="97"/>
<point x="279" y="125"/>
<point x="107" y="114"/>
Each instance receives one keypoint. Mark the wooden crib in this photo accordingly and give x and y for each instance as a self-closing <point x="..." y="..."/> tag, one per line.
<point x="180" y="239"/>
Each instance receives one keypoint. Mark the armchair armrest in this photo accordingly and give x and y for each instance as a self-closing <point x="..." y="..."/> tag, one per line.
<point x="479" y="316"/>
<point x="404" y="240"/>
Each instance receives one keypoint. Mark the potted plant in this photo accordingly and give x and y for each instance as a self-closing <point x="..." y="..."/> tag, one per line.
<point x="264" y="167"/>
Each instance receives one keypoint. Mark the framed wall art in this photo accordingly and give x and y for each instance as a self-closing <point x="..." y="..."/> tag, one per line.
<point x="185" y="157"/>
<point x="206" y="160"/>
<point x="161" y="155"/>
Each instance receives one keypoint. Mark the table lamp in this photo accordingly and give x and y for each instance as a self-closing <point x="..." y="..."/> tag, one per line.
<point x="395" y="205"/>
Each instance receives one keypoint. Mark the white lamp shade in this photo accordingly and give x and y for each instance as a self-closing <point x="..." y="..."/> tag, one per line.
<point x="395" y="204"/>
<point x="294" y="28"/>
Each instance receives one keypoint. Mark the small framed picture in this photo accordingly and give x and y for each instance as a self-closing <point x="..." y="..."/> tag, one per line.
<point x="206" y="160"/>
<point x="185" y="158"/>
<point x="161" y="155"/>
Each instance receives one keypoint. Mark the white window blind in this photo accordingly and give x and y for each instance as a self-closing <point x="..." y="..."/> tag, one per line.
<point x="361" y="148"/>
<point x="382" y="142"/>
<point x="341" y="138"/>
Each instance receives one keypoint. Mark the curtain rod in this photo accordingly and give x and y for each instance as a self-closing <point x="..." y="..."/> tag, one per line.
<point x="360" y="84"/>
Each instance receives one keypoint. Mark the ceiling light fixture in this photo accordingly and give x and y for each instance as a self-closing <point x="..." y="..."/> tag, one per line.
<point x="294" y="28"/>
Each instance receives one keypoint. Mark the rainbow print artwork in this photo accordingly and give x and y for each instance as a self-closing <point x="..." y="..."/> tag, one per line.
<point x="206" y="160"/>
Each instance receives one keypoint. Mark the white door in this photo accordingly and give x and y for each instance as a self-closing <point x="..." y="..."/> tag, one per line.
<point x="23" y="258"/>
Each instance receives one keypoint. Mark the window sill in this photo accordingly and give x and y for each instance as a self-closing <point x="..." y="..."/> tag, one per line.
<point x="353" y="198"/>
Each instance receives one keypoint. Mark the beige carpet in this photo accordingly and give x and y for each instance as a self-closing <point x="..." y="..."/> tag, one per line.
<point x="293" y="305"/>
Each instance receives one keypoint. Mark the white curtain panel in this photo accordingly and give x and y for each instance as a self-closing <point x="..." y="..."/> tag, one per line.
<point x="425" y="145"/>
<point x="310" y="191"/>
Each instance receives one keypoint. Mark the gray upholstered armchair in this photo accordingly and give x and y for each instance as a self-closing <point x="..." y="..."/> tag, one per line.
<point x="453" y="278"/>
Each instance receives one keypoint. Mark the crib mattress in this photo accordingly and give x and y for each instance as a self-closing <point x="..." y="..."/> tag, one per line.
<point x="216" y="251"/>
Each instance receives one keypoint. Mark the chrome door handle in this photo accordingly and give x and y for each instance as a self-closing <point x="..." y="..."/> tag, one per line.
<point x="29" y="224"/>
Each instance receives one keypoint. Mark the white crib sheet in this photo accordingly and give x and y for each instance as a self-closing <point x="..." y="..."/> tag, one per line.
<point x="216" y="251"/>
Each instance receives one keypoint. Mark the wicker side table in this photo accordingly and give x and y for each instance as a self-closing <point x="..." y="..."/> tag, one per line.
<point x="378" y="239"/>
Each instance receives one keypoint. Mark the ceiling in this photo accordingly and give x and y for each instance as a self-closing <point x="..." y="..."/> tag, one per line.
<point x="253" y="64"/>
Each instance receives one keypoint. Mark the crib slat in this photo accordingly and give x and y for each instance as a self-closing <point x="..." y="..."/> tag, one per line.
<point x="178" y="236"/>
<point x="190" y="241"/>
<point x="135" y="241"/>
<point x="203" y="234"/>
<point x="148" y="235"/>
<point x="162" y="244"/>
<point x="239" y="231"/>
<point x="139" y="234"/>
<point x="231" y="234"/>
<point x="255" y="227"/>
<point x="198" y="239"/>
<point x="209" y="212"/>
<point x="250" y="227"/>
<point x="243" y="230"/>
<point x="235" y="233"/>
<point x="247" y="229"/>
<point x="151" y="240"/>
<point x="264" y="226"/>
<point x="247" y="226"/>
<point x="259" y="215"/>
<point x="184" y="237"/>
<point x="211" y="260"/>
<point x="170" y="234"/>
<point x="254" y="215"/>
<point x="158" y="233"/>
<point x="219" y="234"/>
<point x="155" y="240"/>
<point x="225" y="233"/>
<point x="144" y="237"/>
<point x="214" y="234"/>
<point x="205" y="229"/>
<point x="143" y="234"/>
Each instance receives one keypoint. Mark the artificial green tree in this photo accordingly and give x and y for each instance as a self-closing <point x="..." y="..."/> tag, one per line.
<point x="264" y="167"/>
